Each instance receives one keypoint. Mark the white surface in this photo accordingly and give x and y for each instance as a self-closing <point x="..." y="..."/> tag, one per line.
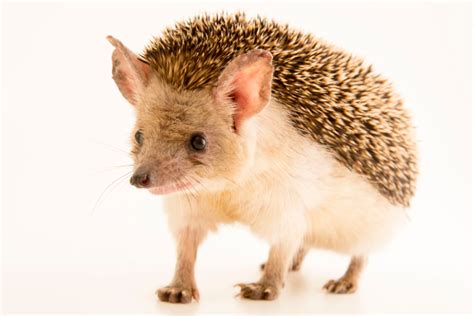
<point x="63" y="117"/>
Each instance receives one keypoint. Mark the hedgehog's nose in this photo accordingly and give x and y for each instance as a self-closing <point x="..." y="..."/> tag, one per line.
<point x="140" y="179"/>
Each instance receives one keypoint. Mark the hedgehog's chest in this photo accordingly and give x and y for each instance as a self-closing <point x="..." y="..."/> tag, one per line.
<point x="241" y="206"/>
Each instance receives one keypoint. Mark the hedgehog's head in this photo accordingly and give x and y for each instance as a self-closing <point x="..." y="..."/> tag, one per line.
<point x="202" y="139"/>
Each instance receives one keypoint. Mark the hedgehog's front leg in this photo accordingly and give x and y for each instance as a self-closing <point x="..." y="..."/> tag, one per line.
<point x="275" y="271"/>
<point x="285" y="237"/>
<point x="183" y="287"/>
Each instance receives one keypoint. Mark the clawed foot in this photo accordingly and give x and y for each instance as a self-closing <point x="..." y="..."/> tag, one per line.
<point x="177" y="294"/>
<point x="341" y="286"/>
<point x="258" y="291"/>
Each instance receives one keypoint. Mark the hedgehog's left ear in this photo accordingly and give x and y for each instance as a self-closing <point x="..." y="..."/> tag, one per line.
<point x="130" y="73"/>
<point x="246" y="81"/>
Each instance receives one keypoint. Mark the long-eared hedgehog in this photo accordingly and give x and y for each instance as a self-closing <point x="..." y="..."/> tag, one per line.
<point x="246" y="120"/>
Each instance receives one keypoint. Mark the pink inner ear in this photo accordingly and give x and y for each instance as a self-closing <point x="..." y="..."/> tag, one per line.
<point x="247" y="80"/>
<point x="249" y="85"/>
<point x="244" y="94"/>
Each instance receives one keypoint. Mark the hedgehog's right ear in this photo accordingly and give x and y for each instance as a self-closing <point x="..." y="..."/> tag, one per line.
<point x="130" y="73"/>
<point x="247" y="82"/>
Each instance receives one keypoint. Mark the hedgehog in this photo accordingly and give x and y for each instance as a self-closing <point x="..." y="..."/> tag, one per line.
<point x="246" y="120"/>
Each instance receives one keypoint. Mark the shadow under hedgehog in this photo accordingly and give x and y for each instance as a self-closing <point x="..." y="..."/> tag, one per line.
<point x="246" y="120"/>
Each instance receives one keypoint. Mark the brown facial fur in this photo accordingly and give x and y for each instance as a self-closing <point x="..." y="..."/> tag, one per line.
<point x="168" y="119"/>
<point x="332" y="97"/>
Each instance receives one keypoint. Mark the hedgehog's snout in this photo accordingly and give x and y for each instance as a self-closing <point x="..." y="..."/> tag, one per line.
<point x="141" y="178"/>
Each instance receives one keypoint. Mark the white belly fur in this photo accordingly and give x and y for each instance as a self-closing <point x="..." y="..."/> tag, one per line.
<point x="354" y="218"/>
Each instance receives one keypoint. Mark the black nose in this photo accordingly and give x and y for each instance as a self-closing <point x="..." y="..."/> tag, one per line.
<point x="140" y="180"/>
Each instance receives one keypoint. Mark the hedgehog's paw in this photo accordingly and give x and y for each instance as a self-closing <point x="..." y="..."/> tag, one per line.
<point x="258" y="291"/>
<point x="177" y="294"/>
<point x="341" y="286"/>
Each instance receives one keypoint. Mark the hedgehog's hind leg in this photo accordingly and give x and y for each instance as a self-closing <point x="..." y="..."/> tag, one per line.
<point x="348" y="282"/>
<point x="297" y="260"/>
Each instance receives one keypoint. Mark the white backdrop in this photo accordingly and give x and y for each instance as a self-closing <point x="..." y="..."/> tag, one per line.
<point x="66" y="127"/>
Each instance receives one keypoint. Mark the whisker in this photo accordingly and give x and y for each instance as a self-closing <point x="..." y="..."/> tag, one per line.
<point x="186" y="194"/>
<point x="109" y="188"/>
<point x="189" y="201"/>
<point x="233" y="182"/>
<point x="112" y="147"/>
<point x="113" y="168"/>
<point x="193" y="194"/>
<point x="199" y="182"/>
<point x="123" y="166"/>
<point x="192" y="186"/>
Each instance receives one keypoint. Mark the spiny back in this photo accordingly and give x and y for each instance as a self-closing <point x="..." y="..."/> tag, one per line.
<point x="331" y="96"/>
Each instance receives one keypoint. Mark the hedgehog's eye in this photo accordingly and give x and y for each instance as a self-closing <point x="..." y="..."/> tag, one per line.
<point x="198" y="142"/>
<point x="139" y="137"/>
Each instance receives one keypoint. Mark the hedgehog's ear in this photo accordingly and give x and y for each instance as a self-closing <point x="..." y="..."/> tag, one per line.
<point x="247" y="82"/>
<point x="130" y="73"/>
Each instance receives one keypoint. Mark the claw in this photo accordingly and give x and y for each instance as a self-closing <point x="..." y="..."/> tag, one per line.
<point x="257" y="291"/>
<point x="196" y="295"/>
<point x="341" y="286"/>
<point x="177" y="294"/>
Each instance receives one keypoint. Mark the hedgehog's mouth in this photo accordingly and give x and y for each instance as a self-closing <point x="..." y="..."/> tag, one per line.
<point x="170" y="188"/>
